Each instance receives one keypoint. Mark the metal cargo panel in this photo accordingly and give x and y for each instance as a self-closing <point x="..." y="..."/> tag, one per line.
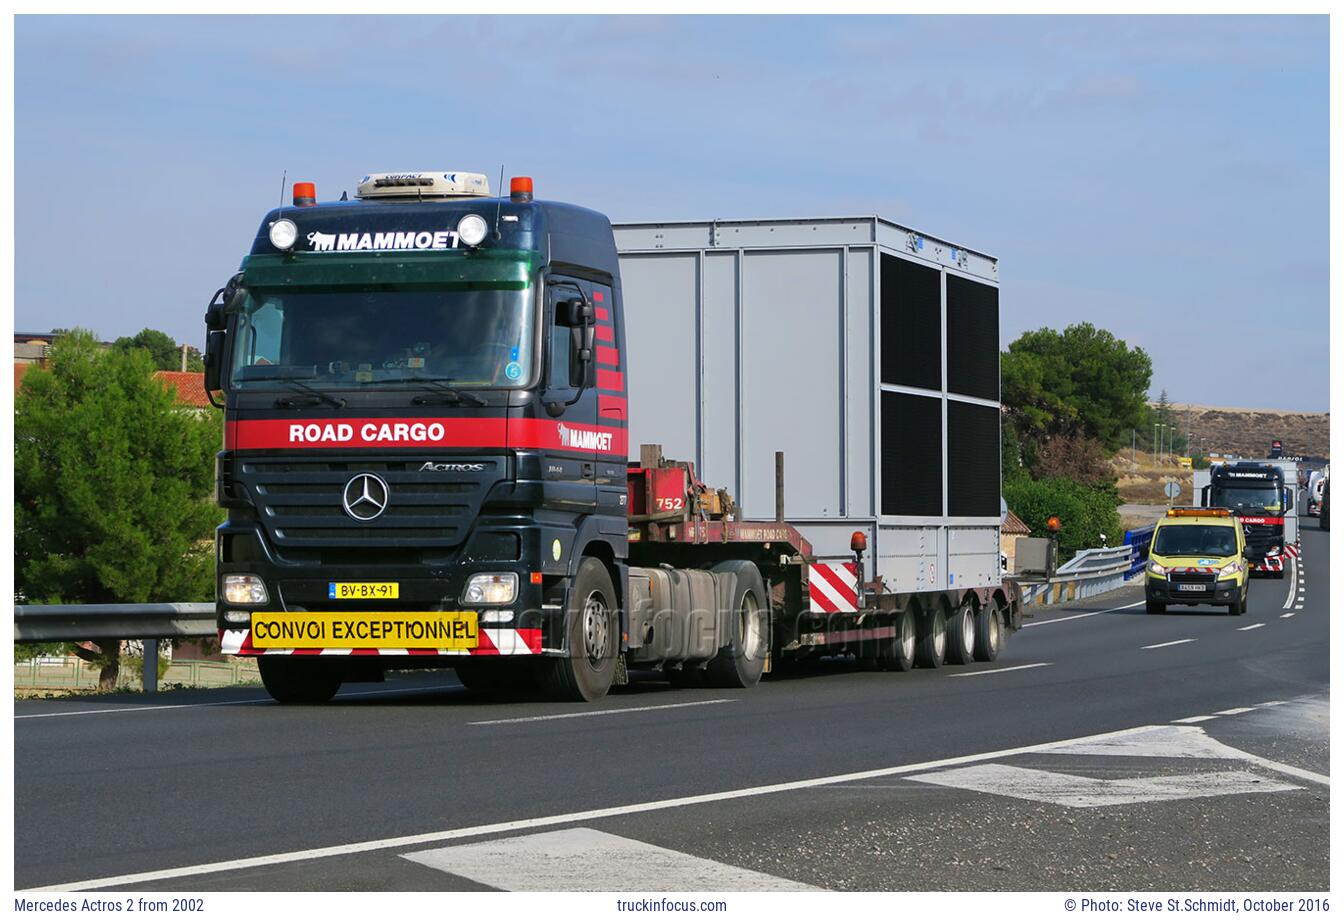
<point x="748" y="337"/>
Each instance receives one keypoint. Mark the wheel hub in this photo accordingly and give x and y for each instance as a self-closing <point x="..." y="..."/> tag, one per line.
<point x="596" y="628"/>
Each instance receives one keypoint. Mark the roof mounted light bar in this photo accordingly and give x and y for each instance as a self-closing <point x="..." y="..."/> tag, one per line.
<point x="424" y="185"/>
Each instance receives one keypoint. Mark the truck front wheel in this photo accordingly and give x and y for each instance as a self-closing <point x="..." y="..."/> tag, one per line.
<point x="586" y="671"/>
<point x="298" y="680"/>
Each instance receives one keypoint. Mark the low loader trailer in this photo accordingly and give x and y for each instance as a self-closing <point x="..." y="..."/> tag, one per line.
<point x="432" y="394"/>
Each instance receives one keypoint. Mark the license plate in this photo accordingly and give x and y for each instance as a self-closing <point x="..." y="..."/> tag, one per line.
<point x="454" y="630"/>
<point x="1200" y="588"/>
<point x="363" y="590"/>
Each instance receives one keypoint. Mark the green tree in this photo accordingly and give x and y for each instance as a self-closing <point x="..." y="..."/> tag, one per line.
<point x="1087" y="513"/>
<point x="163" y="351"/>
<point x="1082" y="381"/>
<point x="112" y="485"/>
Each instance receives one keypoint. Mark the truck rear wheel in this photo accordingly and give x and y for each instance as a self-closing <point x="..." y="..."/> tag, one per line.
<point x="739" y="663"/>
<point x="587" y="669"/>
<point x="961" y="633"/>
<point x="298" y="680"/>
<point x="988" y="632"/>
<point x="932" y="644"/>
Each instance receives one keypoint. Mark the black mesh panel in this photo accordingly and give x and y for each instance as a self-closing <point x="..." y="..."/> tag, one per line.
<point x="972" y="338"/>
<point x="911" y="324"/>
<point x="972" y="460"/>
<point x="912" y="455"/>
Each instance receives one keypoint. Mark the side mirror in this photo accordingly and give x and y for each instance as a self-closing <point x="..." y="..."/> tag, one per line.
<point x="214" y="359"/>
<point x="576" y="311"/>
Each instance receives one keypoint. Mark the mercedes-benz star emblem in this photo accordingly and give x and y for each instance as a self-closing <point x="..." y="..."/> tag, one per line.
<point x="365" y="497"/>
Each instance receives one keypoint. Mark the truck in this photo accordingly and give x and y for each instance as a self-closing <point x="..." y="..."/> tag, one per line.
<point x="1263" y="496"/>
<point x="477" y="432"/>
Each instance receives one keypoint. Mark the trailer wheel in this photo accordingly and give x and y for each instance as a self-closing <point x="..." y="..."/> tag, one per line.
<point x="898" y="652"/>
<point x="585" y="673"/>
<point x="740" y="663"/>
<point x="988" y="631"/>
<point x="932" y="644"/>
<point x="298" y="680"/>
<point x="961" y="633"/>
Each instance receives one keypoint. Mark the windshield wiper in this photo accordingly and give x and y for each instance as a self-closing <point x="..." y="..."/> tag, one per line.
<point x="290" y="402"/>
<point x="438" y="385"/>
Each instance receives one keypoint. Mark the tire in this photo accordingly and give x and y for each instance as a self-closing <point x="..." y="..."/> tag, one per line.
<point x="988" y="632"/>
<point x="931" y="645"/>
<point x="298" y="681"/>
<point x="961" y="633"/>
<point x="739" y="664"/>
<point x="898" y="652"/>
<point x="1238" y="607"/>
<point x="1157" y="608"/>
<point x="592" y="634"/>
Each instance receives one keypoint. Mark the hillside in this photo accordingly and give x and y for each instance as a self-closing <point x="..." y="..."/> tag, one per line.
<point x="1247" y="432"/>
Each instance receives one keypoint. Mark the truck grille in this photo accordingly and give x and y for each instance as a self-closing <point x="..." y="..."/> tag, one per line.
<point x="299" y="501"/>
<point x="1262" y="537"/>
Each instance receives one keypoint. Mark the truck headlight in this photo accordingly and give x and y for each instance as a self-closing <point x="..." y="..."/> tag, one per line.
<point x="245" y="590"/>
<point x="283" y="234"/>
<point x="1157" y="568"/>
<point x="492" y="588"/>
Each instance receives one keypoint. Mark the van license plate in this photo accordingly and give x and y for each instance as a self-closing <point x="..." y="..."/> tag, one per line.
<point x="1199" y="588"/>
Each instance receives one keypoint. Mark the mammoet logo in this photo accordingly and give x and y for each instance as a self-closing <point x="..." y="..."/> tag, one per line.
<point x="391" y="240"/>
<point x="584" y="438"/>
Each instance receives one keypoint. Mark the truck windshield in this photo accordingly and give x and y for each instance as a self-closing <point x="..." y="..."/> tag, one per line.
<point x="1263" y="499"/>
<point x="352" y="337"/>
<point x="1195" y="540"/>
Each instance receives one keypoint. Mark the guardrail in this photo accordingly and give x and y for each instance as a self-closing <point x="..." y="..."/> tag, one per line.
<point x="147" y="622"/>
<point x="1140" y="539"/>
<point x="1091" y="571"/>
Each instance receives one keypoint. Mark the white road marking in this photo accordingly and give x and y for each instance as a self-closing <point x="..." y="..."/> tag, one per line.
<point x="1166" y="644"/>
<point x="1284" y="616"/>
<point x="1292" y="588"/>
<point x="1235" y="712"/>
<point x="1180" y="741"/>
<point x="504" y="827"/>
<point x="1190" y="720"/>
<point x="339" y="696"/>
<point x="1088" y="792"/>
<point x="1298" y="607"/>
<point x="597" y="712"/>
<point x="584" y="859"/>
<point x="1016" y="667"/>
<point x="1079" y="616"/>
<point x="1252" y="626"/>
<point x="1271" y="703"/>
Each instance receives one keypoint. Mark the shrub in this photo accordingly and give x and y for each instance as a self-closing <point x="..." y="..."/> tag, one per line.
<point x="1085" y="513"/>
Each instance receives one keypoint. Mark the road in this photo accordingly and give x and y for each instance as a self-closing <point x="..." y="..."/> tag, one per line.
<point x="1105" y="749"/>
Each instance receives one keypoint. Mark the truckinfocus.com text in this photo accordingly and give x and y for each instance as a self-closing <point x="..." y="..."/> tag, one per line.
<point x="658" y="905"/>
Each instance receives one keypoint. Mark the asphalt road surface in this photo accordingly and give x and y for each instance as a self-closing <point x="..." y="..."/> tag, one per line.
<point x="1105" y="749"/>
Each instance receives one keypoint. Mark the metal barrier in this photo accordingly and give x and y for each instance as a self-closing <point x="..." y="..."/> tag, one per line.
<point x="1140" y="540"/>
<point x="1090" y="572"/>
<point x="148" y="622"/>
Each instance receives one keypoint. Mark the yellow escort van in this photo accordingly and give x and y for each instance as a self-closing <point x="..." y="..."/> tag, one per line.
<point x="1197" y="556"/>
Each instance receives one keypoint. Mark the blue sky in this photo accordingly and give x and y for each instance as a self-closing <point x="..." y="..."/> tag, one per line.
<point x="1163" y="177"/>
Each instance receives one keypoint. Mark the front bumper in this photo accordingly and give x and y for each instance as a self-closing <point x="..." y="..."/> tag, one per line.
<point x="1160" y="591"/>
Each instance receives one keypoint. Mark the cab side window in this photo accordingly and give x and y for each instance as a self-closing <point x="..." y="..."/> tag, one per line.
<point x="564" y="371"/>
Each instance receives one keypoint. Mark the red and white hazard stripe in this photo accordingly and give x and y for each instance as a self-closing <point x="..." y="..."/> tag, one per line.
<point x="1186" y="570"/>
<point x="833" y="587"/>
<point x="1293" y="550"/>
<point x="1271" y="564"/>
<point x="492" y="642"/>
